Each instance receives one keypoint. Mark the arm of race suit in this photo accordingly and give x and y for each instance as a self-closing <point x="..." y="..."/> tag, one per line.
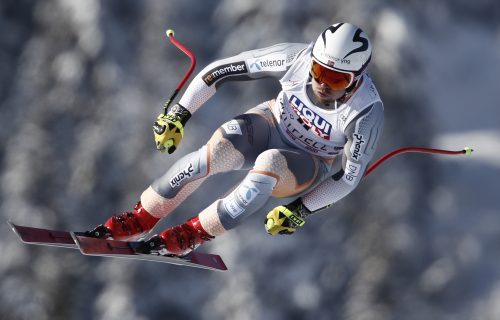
<point x="362" y="133"/>
<point x="272" y="62"/>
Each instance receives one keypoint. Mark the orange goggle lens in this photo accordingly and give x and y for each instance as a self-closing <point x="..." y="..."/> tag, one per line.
<point x="336" y="80"/>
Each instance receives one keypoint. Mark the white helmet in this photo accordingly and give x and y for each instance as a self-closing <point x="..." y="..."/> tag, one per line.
<point x="343" y="47"/>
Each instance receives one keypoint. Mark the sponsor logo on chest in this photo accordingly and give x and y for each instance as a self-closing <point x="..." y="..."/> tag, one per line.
<point x="309" y="119"/>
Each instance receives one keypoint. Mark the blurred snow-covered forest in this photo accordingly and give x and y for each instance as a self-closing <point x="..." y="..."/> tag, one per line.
<point x="82" y="81"/>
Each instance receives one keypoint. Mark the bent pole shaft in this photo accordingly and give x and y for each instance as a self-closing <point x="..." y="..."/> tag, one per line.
<point x="466" y="151"/>
<point x="180" y="46"/>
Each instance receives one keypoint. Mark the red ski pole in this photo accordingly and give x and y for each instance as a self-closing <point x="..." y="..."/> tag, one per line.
<point x="466" y="151"/>
<point x="170" y="35"/>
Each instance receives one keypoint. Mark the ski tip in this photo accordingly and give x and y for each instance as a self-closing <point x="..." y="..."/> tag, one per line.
<point x="468" y="151"/>
<point x="223" y="266"/>
<point x="211" y="261"/>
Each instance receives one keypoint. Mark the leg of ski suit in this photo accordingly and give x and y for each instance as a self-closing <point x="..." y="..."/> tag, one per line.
<point x="250" y="141"/>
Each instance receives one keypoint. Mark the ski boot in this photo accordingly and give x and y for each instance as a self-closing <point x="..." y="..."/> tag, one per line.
<point x="177" y="241"/>
<point x="125" y="226"/>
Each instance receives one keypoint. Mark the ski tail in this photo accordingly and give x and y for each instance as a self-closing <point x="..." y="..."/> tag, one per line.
<point x="39" y="236"/>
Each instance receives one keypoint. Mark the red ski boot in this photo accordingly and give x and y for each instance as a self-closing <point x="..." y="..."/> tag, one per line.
<point x="127" y="225"/>
<point x="179" y="240"/>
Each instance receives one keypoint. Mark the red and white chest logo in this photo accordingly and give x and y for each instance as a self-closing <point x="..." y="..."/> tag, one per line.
<point x="309" y="119"/>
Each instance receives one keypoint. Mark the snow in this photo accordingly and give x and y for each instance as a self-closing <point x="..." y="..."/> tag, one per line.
<point x="82" y="82"/>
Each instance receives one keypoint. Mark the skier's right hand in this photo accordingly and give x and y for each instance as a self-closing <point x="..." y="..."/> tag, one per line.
<point x="169" y="128"/>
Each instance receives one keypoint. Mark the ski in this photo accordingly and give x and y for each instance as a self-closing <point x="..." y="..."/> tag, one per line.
<point x="127" y="249"/>
<point x="110" y="248"/>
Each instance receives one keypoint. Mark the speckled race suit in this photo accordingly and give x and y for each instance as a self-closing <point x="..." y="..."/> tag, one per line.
<point x="292" y="145"/>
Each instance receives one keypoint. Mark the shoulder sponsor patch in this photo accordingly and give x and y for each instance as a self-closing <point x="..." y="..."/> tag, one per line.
<point x="275" y="62"/>
<point x="224" y="70"/>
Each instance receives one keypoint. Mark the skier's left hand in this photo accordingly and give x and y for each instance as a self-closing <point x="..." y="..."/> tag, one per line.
<point x="283" y="220"/>
<point x="169" y="128"/>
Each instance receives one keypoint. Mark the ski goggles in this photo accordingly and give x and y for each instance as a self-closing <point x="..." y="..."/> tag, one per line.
<point x="336" y="80"/>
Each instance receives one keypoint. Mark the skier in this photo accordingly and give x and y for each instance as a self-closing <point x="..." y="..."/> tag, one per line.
<point x="313" y="141"/>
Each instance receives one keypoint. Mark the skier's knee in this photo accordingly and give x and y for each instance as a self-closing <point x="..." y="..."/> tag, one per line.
<point x="273" y="162"/>
<point x="270" y="161"/>
<point x="252" y="193"/>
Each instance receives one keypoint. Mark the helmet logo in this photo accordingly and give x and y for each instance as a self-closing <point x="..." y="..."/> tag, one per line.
<point x="357" y="38"/>
<point x="331" y="63"/>
<point x="332" y="30"/>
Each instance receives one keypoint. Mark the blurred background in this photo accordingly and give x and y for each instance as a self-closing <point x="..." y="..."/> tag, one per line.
<point x="81" y="83"/>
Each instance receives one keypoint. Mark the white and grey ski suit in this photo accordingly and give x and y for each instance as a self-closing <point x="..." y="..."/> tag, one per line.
<point x="291" y="146"/>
